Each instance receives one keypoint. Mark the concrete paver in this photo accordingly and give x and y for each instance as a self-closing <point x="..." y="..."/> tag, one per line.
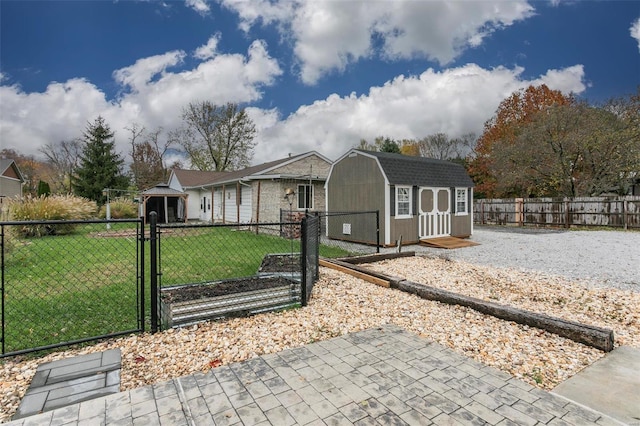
<point x="64" y="382"/>
<point x="611" y="385"/>
<point x="383" y="375"/>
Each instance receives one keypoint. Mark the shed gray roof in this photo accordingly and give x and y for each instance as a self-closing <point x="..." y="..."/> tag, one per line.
<point x="419" y="171"/>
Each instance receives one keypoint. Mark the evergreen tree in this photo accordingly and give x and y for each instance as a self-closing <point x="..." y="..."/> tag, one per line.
<point x="43" y="189"/>
<point x="100" y="166"/>
<point x="389" y="145"/>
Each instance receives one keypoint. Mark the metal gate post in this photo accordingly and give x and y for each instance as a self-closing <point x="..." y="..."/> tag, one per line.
<point x="304" y="241"/>
<point x="2" y="283"/>
<point x="141" y="265"/>
<point x="377" y="231"/>
<point x="153" y="269"/>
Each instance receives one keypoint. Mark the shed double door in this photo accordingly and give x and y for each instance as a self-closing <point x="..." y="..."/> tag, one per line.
<point x="434" y="212"/>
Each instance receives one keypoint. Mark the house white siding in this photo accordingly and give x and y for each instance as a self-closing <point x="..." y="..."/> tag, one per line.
<point x="217" y="205"/>
<point x="237" y="210"/>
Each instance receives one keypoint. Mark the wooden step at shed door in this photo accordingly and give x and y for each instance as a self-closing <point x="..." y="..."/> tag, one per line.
<point x="447" y="242"/>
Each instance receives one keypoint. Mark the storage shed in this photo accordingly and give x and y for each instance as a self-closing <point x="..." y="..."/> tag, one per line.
<point x="418" y="198"/>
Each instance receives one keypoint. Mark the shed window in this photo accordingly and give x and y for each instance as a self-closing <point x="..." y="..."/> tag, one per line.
<point x="403" y="201"/>
<point x="461" y="201"/>
<point x="305" y="197"/>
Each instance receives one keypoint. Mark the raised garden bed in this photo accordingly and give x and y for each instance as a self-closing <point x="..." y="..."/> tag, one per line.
<point x="181" y="305"/>
<point x="276" y="286"/>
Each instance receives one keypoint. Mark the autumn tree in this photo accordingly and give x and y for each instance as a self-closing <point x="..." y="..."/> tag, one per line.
<point x="63" y="158"/>
<point x="216" y="138"/>
<point x="147" y="152"/>
<point x="409" y="147"/>
<point x="100" y="166"/>
<point x="569" y="150"/>
<point x="503" y="128"/>
<point x="33" y="170"/>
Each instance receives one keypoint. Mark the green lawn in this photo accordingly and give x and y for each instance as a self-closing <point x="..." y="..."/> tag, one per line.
<point x="63" y="288"/>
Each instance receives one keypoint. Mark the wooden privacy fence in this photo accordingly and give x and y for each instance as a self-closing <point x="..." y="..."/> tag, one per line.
<point x="620" y="212"/>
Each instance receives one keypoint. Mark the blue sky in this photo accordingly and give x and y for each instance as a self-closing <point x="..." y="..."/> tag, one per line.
<point x="313" y="75"/>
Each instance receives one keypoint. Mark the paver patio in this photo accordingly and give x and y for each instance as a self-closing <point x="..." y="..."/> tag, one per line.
<point x="384" y="375"/>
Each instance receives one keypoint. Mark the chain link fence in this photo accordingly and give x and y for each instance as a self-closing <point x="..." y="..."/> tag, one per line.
<point x="351" y="233"/>
<point x="67" y="282"/>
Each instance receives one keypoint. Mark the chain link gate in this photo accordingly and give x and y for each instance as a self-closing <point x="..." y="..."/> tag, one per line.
<point x="69" y="282"/>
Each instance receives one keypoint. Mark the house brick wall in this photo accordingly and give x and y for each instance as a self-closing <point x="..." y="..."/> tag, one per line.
<point x="319" y="167"/>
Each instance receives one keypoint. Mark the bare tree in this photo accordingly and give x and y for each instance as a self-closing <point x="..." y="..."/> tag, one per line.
<point x="216" y="137"/>
<point x="147" y="166"/>
<point x="63" y="157"/>
<point x="441" y="147"/>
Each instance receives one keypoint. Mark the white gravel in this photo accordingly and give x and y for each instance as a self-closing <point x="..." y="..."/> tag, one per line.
<point x="595" y="258"/>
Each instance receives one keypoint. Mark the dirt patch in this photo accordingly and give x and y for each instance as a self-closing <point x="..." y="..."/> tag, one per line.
<point x="200" y="291"/>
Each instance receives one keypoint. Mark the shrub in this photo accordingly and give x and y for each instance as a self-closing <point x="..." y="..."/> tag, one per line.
<point x="121" y="208"/>
<point x="43" y="188"/>
<point x="54" y="207"/>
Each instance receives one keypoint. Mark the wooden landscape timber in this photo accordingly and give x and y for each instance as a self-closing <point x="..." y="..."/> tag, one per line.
<point x="354" y="271"/>
<point x="597" y="337"/>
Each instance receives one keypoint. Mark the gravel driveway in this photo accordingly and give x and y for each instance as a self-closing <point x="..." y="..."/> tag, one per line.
<point x="597" y="258"/>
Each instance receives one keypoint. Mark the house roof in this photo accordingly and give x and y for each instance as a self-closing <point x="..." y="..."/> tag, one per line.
<point x="193" y="178"/>
<point x="419" y="171"/>
<point x="6" y="164"/>
<point x="262" y="169"/>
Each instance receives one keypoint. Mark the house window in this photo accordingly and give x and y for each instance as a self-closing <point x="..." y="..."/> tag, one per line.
<point x="461" y="201"/>
<point x="305" y="197"/>
<point x="403" y="201"/>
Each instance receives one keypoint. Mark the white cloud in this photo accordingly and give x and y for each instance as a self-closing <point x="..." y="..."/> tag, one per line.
<point x="155" y="97"/>
<point x="329" y="35"/>
<point x="200" y="6"/>
<point x="455" y="101"/>
<point x="635" y="31"/>
<point x="138" y="75"/>
<point x="208" y="50"/>
<point x="264" y="11"/>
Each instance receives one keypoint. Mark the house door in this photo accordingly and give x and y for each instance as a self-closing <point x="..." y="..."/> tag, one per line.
<point x="435" y="212"/>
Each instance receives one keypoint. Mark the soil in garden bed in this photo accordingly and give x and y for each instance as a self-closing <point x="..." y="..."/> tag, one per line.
<point x="200" y="291"/>
<point x="280" y="263"/>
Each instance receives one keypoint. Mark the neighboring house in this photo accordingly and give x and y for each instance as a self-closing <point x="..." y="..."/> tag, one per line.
<point x="192" y="183"/>
<point x="257" y="193"/>
<point x="418" y="198"/>
<point x="11" y="181"/>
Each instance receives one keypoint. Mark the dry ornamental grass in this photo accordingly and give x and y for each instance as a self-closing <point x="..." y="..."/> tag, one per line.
<point x="341" y="304"/>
